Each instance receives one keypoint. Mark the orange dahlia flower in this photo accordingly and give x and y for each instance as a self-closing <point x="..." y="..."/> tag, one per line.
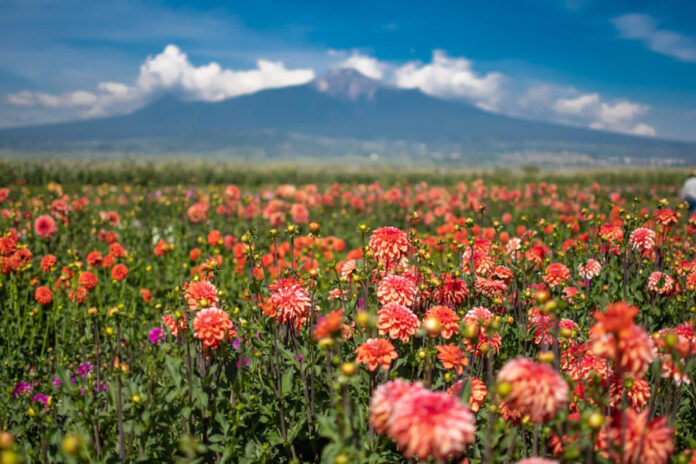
<point x="452" y="357"/>
<point x="389" y="244"/>
<point x="212" y="325"/>
<point x="555" y="274"/>
<point x="536" y="389"/>
<point x="291" y="302"/>
<point x="396" y="289"/>
<point x="397" y="321"/>
<point x="478" y="392"/>
<point x="645" y="442"/>
<point x="376" y="352"/>
<point x="448" y="319"/>
<point x="384" y="400"/>
<point x="200" y="294"/>
<point x="431" y="424"/>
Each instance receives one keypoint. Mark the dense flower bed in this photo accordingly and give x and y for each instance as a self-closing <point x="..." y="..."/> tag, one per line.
<point x="477" y="322"/>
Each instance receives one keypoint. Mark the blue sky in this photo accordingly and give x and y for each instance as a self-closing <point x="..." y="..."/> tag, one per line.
<point x="627" y="66"/>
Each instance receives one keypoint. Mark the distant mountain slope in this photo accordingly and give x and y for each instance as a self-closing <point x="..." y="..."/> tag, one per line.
<point x="340" y="107"/>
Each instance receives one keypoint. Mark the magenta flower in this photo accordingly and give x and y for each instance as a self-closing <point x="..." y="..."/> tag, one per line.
<point x="20" y="389"/>
<point x="156" y="336"/>
<point x="40" y="397"/>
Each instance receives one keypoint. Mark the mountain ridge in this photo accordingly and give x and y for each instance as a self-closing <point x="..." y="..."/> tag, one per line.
<point x="343" y="105"/>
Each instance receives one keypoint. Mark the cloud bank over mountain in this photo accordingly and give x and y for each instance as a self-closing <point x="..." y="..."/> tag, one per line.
<point x="444" y="76"/>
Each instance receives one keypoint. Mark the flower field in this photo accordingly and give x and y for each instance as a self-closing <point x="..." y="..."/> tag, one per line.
<point x="484" y="320"/>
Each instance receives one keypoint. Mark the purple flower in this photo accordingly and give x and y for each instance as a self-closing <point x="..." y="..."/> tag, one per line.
<point x="236" y="342"/>
<point x="84" y="369"/>
<point x="360" y="303"/>
<point x="20" y="389"/>
<point x="56" y="382"/>
<point x="40" y="397"/>
<point x="156" y="336"/>
<point x="102" y="388"/>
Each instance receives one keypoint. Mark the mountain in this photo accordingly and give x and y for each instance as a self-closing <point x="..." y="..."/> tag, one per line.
<point x="342" y="113"/>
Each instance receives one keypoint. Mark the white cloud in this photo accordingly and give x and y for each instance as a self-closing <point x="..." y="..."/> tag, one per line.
<point x="28" y="98"/>
<point x="644" y="28"/>
<point x="444" y="77"/>
<point x="451" y="78"/>
<point x="171" y="70"/>
<point x="643" y="129"/>
<point x="576" y="106"/>
<point x="367" y="65"/>
<point x="591" y="110"/>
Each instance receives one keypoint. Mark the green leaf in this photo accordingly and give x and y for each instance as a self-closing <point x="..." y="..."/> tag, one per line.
<point x="287" y="381"/>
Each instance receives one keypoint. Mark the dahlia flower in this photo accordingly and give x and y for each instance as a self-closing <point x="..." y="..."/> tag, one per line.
<point x="536" y="389"/>
<point x="376" y="352"/>
<point x="389" y="244"/>
<point x="212" y="325"/>
<point x="431" y="424"/>
<point x="200" y="294"/>
<point x="397" y="321"/>
<point x="396" y="289"/>
<point x="448" y="319"/>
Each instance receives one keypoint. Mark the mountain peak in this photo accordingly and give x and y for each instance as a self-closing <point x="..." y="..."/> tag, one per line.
<point x="347" y="83"/>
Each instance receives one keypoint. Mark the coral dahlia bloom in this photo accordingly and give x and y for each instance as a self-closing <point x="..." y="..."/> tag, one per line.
<point x="637" y="392"/>
<point x="397" y="321"/>
<point x="642" y="239"/>
<point x="200" y="294"/>
<point x="536" y="389"/>
<point x="480" y="317"/>
<point x="88" y="280"/>
<point x="686" y="339"/>
<point x="578" y="362"/>
<point x="169" y="322"/>
<point x="290" y="302"/>
<point x="478" y="392"/>
<point x="666" y="217"/>
<point x="632" y="348"/>
<point x="385" y="398"/>
<point x="452" y="357"/>
<point x="675" y="370"/>
<point x="396" y="289"/>
<point x="611" y="232"/>
<point x="198" y="212"/>
<point x="47" y="262"/>
<point x="94" y="259"/>
<point x="431" y="424"/>
<point x="45" y="226"/>
<point x="452" y="292"/>
<point x="556" y="273"/>
<point x="589" y="270"/>
<point x="448" y="319"/>
<point x="389" y="244"/>
<point x="651" y="440"/>
<point x="43" y="295"/>
<point x="8" y="244"/>
<point x="212" y="325"/>
<point x="376" y="352"/>
<point x="492" y="288"/>
<point x="544" y="329"/>
<point x="119" y="272"/>
<point x="328" y="325"/>
<point x="618" y="317"/>
<point x="78" y="294"/>
<point x="661" y="283"/>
